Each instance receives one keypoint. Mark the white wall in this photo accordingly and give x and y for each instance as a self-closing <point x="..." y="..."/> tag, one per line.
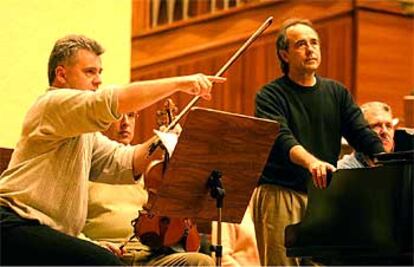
<point x="29" y="29"/>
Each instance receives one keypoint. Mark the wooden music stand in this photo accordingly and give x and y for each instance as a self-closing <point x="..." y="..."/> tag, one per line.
<point x="235" y="145"/>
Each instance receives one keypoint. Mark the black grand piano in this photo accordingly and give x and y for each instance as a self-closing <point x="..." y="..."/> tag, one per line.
<point x="363" y="217"/>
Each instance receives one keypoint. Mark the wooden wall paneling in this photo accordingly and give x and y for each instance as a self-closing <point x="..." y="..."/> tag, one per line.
<point x="272" y="65"/>
<point x="254" y="74"/>
<point x="385" y="58"/>
<point x="409" y="111"/>
<point x="210" y="33"/>
<point x="233" y="90"/>
<point x="140" y="16"/>
<point x="383" y="6"/>
<point x="220" y="91"/>
<point x="336" y="48"/>
<point x="243" y="78"/>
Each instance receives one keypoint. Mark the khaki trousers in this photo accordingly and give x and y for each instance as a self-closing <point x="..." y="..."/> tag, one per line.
<point x="140" y="255"/>
<point x="275" y="207"/>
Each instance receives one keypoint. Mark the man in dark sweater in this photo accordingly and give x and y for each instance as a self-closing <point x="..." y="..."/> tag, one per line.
<point x="313" y="113"/>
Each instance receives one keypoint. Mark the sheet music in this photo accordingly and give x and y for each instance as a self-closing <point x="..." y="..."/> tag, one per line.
<point x="168" y="139"/>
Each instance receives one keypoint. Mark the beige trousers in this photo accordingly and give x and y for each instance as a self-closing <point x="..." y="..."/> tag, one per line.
<point x="275" y="207"/>
<point x="140" y="255"/>
<point x="179" y="259"/>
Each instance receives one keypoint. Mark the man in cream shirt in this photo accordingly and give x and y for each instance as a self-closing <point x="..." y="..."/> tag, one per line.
<point x="44" y="191"/>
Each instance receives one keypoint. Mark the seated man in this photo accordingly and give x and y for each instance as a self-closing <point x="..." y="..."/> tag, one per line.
<point x="379" y="118"/>
<point x="111" y="209"/>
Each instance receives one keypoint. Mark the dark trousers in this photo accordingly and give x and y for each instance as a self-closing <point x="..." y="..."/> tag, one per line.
<point x="27" y="242"/>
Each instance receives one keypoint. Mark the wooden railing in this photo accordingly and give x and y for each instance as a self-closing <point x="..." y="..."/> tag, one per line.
<point x="168" y="11"/>
<point x="155" y="13"/>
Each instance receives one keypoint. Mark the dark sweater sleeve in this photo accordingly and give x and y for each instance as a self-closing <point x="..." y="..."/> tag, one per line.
<point x="271" y="106"/>
<point x="356" y="130"/>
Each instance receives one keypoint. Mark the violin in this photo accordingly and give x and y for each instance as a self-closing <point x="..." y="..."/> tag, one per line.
<point x="162" y="231"/>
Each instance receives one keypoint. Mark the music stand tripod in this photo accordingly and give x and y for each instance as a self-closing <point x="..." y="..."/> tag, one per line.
<point x="217" y="192"/>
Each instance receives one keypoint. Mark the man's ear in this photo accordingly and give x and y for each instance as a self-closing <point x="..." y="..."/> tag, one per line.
<point x="284" y="55"/>
<point x="60" y="75"/>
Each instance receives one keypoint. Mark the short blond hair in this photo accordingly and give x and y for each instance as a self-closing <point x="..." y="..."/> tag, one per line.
<point x="376" y="107"/>
<point x="66" y="47"/>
